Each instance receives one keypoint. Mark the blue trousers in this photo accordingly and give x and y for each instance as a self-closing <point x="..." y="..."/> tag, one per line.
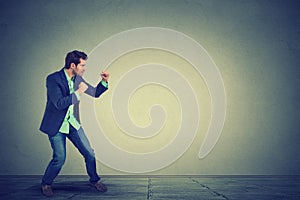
<point x="58" y="144"/>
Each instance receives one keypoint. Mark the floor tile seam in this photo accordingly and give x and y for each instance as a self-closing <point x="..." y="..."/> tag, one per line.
<point x="150" y="191"/>
<point x="209" y="189"/>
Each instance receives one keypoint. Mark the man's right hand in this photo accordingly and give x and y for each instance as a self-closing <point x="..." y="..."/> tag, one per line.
<point x="82" y="87"/>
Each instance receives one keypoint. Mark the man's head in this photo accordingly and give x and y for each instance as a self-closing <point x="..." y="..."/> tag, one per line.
<point x="75" y="62"/>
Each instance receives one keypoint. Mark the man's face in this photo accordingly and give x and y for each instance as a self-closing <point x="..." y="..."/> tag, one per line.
<point x="80" y="68"/>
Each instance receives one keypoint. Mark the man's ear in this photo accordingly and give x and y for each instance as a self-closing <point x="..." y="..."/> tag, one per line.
<point x="72" y="66"/>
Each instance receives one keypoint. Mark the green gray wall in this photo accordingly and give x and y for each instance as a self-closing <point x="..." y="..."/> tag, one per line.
<point x="255" y="45"/>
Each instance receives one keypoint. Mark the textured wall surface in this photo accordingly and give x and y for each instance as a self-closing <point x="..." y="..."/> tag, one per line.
<point x="254" y="44"/>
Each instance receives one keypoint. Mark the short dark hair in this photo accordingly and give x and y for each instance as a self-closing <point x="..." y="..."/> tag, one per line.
<point x="74" y="57"/>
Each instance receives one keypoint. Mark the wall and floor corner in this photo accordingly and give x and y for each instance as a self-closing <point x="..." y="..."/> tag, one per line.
<point x="254" y="44"/>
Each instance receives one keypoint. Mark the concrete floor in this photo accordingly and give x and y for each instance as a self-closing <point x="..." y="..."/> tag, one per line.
<point x="157" y="187"/>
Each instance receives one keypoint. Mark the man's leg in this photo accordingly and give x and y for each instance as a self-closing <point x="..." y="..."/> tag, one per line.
<point x="81" y="142"/>
<point x="58" y="144"/>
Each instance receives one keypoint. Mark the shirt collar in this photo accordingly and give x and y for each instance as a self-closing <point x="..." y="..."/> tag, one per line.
<point x="68" y="77"/>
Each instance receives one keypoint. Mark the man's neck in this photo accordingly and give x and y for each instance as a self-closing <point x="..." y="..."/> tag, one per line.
<point x="70" y="73"/>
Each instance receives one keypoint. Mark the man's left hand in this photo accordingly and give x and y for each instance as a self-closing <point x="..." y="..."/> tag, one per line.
<point x="105" y="76"/>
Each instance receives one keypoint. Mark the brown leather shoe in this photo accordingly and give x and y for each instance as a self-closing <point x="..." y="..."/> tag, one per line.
<point x="100" y="186"/>
<point x="47" y="190"/>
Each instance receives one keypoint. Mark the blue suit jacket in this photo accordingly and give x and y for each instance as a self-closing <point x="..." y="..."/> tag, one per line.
<point x="59" y="99"/>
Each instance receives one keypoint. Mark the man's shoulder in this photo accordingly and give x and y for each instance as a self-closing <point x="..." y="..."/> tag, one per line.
<point x="55" y="75"/>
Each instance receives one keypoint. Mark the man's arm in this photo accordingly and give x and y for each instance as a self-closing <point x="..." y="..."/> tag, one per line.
<point x="95" y="91"/>
<point x="99" y="89"/>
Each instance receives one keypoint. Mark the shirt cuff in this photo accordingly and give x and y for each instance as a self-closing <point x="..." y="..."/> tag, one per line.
<point x="105" y="84"/>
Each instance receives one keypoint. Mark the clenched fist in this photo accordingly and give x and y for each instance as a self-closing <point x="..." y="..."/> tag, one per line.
<point x="82" y="87"/>
<point x="105" y="76"/>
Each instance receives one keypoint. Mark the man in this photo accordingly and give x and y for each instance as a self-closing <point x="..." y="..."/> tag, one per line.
<point x="61" y="118"/>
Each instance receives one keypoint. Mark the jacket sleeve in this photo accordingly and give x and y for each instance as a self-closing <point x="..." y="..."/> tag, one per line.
<point x="56" y="95"/>
<point x="93" y="91"/>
